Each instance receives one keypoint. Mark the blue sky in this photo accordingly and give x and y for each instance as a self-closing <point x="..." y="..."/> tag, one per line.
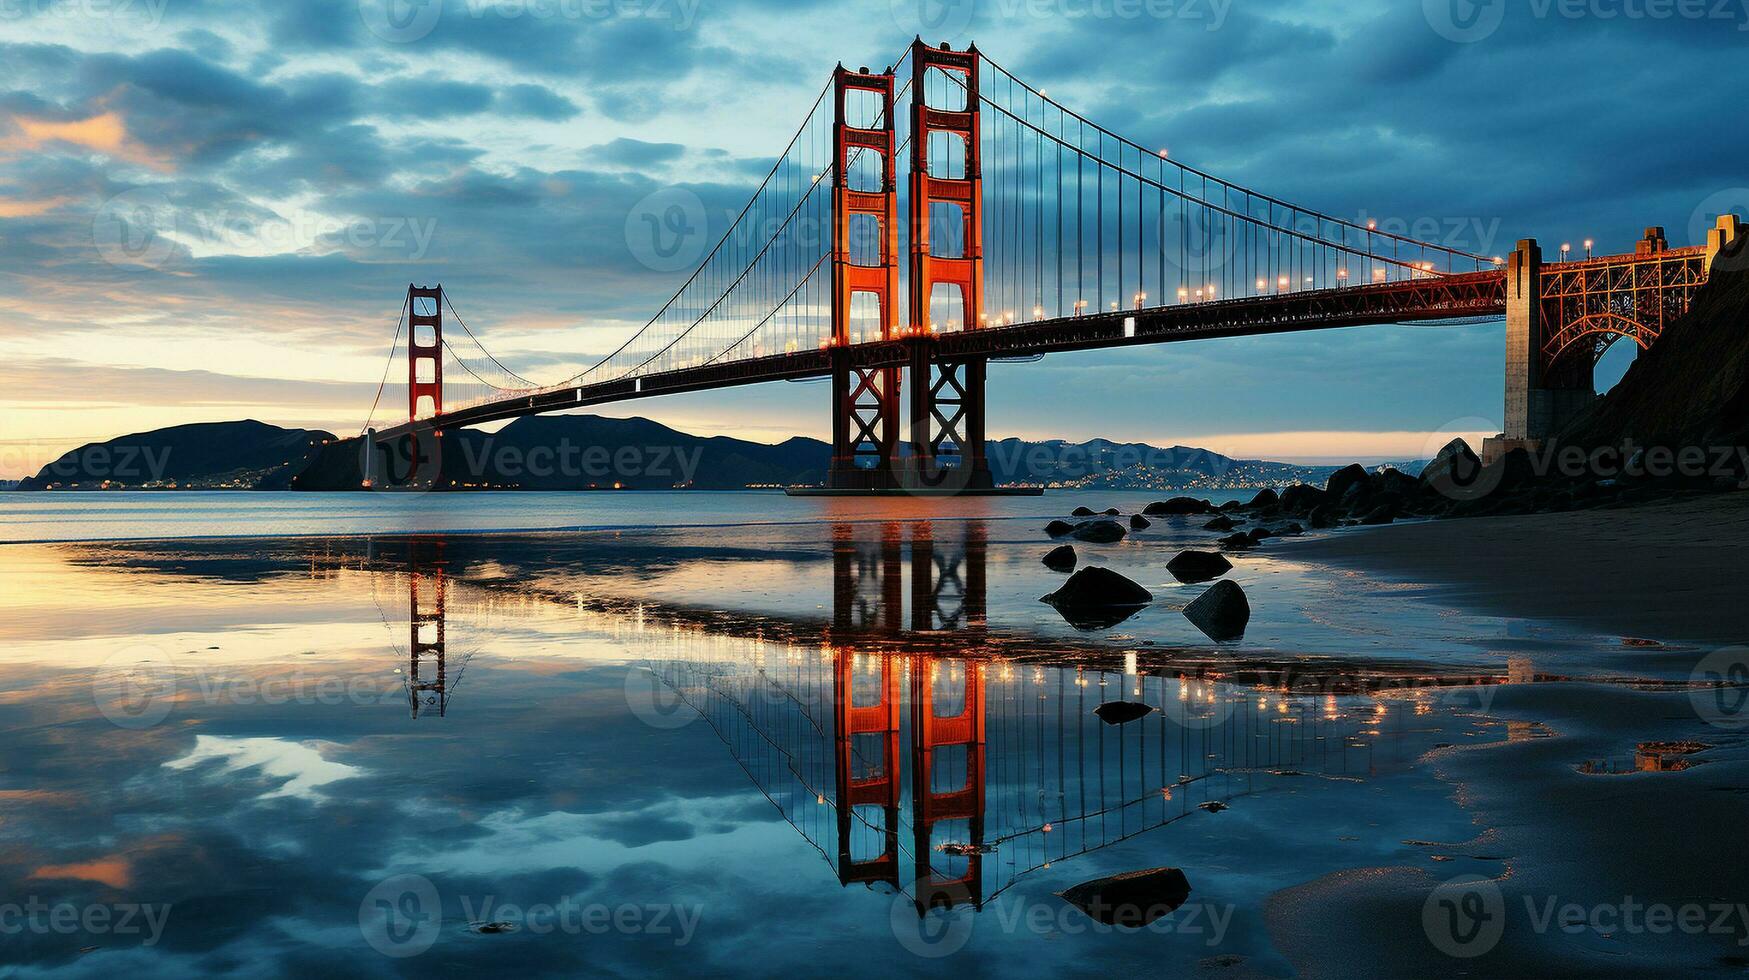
<point x="310" y="158"/>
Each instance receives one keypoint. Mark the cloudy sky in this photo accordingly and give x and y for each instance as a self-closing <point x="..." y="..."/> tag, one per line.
<point x="303" y="160"/>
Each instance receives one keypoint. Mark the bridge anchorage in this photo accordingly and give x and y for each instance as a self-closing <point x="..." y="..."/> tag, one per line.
<point x="973" y="220"/>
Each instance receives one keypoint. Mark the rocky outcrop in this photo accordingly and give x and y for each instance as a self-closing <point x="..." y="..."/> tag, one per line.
<point x="1222" y="613"/>
<point x="1177" y="506"/>
<point x="1102" y="531"/>
<point x="1198" y="566"/>
<point x="1061" y="559"/>
<point x="1131" y="900"/>
<point x="1098" y="598"/>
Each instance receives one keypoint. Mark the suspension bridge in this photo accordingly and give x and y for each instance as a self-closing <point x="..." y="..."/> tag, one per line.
<point x="939" y="215"/>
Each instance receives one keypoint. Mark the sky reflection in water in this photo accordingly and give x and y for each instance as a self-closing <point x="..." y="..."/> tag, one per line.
<point x="404" y="755"/>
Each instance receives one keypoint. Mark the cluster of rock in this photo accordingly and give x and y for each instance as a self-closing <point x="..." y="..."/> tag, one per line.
<point x="1096" y="598"/>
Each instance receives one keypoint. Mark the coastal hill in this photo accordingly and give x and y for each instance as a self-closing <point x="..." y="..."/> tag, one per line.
<point x="246" y="455"/>
<point x="577" y="452"/>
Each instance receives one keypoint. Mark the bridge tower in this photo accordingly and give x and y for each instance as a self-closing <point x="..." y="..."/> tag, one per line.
<point x="1540" y="397"/>
<point x="947" y="398"/>
<point x="865" y="401"/>
<point x="424" y="348"/>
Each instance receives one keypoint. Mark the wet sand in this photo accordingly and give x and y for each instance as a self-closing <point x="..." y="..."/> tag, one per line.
<point x="1671" y="572"/>
<point x="1602" y="843"/>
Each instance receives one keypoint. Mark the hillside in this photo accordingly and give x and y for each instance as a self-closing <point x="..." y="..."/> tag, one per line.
<point x="202" y="455"/>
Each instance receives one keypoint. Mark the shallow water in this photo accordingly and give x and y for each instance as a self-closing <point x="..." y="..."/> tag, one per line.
<point x="846" y="738"/>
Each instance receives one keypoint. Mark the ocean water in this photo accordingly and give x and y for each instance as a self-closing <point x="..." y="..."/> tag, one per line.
<point x="725" y="734"/>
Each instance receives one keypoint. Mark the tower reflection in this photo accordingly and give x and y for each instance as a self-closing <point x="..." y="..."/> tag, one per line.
<point x="914" y="762"/>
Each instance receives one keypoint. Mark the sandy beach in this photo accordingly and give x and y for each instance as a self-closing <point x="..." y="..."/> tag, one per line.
<point x="1671" y="572"/>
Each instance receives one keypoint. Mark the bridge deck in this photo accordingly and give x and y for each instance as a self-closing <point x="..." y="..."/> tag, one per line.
<point x="1479" y="294"/>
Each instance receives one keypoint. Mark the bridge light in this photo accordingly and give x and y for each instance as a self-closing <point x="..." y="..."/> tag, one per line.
<point x="1588" y="244"/>
<point x="1163" y="153"/>
<point x="1114" y="304"/>
<point x="1282" y="283"/>
<point x="1262" y="284"/>
<point x="1342" y="274"/>
<point x="1183" y="293"/>
<point x="1372" y="225"/>
<point x="1211" y="292"/>
<point x="1037" y="312"/>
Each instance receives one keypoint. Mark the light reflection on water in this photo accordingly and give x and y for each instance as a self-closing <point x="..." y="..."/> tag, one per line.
<point x="872" y="743"/>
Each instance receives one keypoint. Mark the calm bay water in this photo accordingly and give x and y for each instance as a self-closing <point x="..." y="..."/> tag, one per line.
<point x="726" y="734"/>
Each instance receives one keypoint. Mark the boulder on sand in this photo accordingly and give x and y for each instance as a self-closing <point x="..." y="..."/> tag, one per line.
<point x="1061" y="559"/>
<point x="1177" y="506"/>
<point x="1455" y="472"/>
<point x="1221" y="523"/>
<point x="1057" y="529"/>
<point x="1237" y="542"/>
<point x="1098" y="598"/>
<point x="1102" y="531"/>
<point x="1112" y="512"/>
<point x="1140" y="523"/>
<point x="1131" y="900"/>
<point x="1301" y="499"/>
<point x="1081" y="512"/>
<point x="1198" y="566"/>
<point x="1122" y="712"/>
<point x="1265" y="499"/>
<point x="1345" y="479"/>
<point x="1222" y="612"/>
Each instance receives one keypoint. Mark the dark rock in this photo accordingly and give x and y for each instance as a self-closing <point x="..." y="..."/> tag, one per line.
<point x="1302" y="499"/>
<point x="1198" y="566"/>
<point x="1222" y="612"/>
<point x="1236" y="542"/>
<point x="1392" y="482"/>
<point x="1122" y="712"/>
<point x="1082" y="512"/>
<point x="1222" y="523"/>
<point x="1213" y="806"/>
<point x="1177" y="505"/>
<point x="1102" y="531"/>
<point x="1455" y="473"/>
<point x="1098" y="598"/>
<point x="1057" y="529"/>
<point x="1230" y="506"/>
<point x="1321" y="518"/>
<point x="1061" y="559"/>
<point x="1291" y="531"/>
<point x="1384" y="514"/>
<point x="1140" y="523"/>
<point x="1345" y="479"/>
<point x="1266" y="499"/>
<point x="1132" y="900"/>
<point x="1112" y="512"/>
<point x="1261" y="534"/>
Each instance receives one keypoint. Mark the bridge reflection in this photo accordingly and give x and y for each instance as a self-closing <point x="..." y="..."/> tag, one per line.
<point x="949" y="776"/>
<point x="912" y="755"/>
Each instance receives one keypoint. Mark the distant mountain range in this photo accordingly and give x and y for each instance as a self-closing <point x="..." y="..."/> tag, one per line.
<point x="579" y="452"/>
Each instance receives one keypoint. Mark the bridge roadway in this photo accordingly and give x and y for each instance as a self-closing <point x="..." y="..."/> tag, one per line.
<point x="1435" y="297"/>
